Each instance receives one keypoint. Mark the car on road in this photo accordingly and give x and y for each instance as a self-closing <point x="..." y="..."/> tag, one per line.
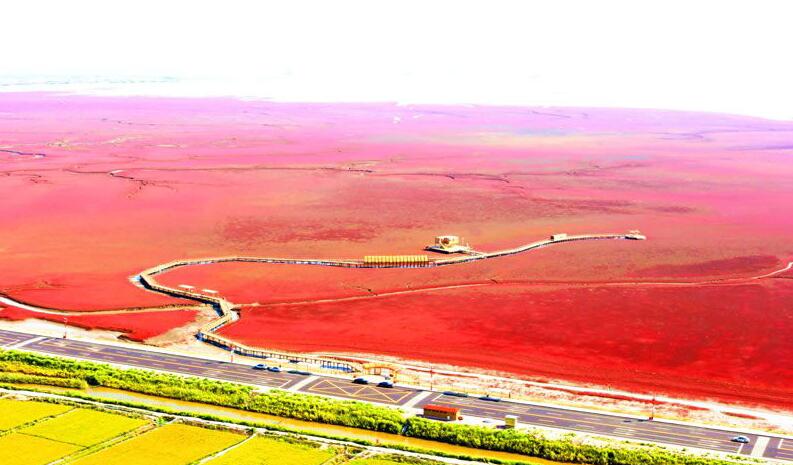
<point x="274" y="369"/>
<point x="385" y="384"/>
<point x="360" y="381"/>
<point x="455" y="394"/>
<point x="741" y="439"/>
<point x="260" y="366"/>
<point x="490" y="399"/>
<point x="299" y="372"/>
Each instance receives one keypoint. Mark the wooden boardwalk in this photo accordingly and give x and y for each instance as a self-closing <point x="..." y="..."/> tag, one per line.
<point x="226" y="309"/>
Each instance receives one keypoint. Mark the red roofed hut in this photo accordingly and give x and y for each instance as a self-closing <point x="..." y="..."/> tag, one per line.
<point x="441" y="412"/>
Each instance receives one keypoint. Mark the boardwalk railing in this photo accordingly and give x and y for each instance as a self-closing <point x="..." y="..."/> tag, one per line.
<point x="226" y="309"/>
<point x="208" y="332"/>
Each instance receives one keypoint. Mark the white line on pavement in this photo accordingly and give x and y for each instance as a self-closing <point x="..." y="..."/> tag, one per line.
<point x="26" y="342"/>
<point x="759" y="446"/>
<point x="302" y="383"/>
<point x="417" y="398"/>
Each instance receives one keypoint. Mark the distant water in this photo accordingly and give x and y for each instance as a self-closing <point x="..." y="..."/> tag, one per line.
<point x="285" y="87"/>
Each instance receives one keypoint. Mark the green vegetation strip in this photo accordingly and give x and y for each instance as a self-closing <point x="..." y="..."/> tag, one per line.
<point x="22" y="378"/>
<point x="390" y="460"/>
<point x="344" y="413"/>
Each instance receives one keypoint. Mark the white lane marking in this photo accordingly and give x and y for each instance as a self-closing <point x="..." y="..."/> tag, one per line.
<point x="759" y="446"/>
<point x="417" y="398"/>
<point x="302" y="383"/>
<point x="26" y="342"/>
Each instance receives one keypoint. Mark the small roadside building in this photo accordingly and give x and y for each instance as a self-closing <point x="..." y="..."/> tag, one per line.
<point x="441" y="412"/>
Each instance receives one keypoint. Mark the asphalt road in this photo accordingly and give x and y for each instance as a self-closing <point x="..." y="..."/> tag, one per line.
<point x="611" y="425"/>
<point x="574" y="420"/>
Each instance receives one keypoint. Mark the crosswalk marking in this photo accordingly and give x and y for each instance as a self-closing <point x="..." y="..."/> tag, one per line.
<point x="416" y="399"/>
<point x="26" y="342"/>
<point x="759" y="446"/>
<point x="302" y="383"/>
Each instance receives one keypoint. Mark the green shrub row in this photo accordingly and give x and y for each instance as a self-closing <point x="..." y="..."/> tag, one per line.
<point x="278" y="403"/>
<point x="535" y="444"/>
<point x="23" y="378"/>
<point x="346" y="413"/>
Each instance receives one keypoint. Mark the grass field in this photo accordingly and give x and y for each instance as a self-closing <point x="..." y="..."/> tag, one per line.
<point x="267" y="451"/>
<point x="16" y="412"/>
<point x="173" y="444"/>
<point x="21" y="449"/>
<point x="84" y="427"/>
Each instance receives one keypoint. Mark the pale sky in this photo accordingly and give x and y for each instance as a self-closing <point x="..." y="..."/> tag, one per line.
<point x="725" y="56"/>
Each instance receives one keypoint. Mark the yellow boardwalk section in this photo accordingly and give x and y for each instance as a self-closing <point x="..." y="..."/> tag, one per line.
<point x="396" y="260"/>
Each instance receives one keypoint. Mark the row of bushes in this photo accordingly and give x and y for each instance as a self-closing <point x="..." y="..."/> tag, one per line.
<point x="23" y="378"/>
<point x="278" y="403"/>
<point x="534" y="444"/>
<point x="346" y="413"/>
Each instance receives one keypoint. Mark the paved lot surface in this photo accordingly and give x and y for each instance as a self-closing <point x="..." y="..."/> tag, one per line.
<point x="596" y="423"/>
<point x="781" y="449"/>
<point x="8" y="338"/>
<point x="174" y="363"/>
<point x="370" y="393"/>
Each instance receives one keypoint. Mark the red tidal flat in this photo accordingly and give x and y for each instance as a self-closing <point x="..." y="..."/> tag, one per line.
<point x="708" y="341"/>
<point x="97" y="189"/>
<point x="135" y="326"/>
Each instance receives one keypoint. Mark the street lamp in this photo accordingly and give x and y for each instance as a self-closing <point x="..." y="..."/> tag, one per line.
<point x="652" y="411"/>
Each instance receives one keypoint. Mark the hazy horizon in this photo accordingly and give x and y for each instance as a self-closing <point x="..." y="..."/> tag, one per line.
<point x="707" y="56"/>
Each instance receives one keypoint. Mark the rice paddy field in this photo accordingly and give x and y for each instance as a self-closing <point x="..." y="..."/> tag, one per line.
<point x="23" y="449"/>
<point x="38" y="433"/>
<point x="15" y="413"/>
<point x="84" y="427"/>
<point x="174" y="444"/>
<point x="267" y="451"/>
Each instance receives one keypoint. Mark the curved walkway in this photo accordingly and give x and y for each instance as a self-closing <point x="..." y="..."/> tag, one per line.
<point x="225" y="308"/>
